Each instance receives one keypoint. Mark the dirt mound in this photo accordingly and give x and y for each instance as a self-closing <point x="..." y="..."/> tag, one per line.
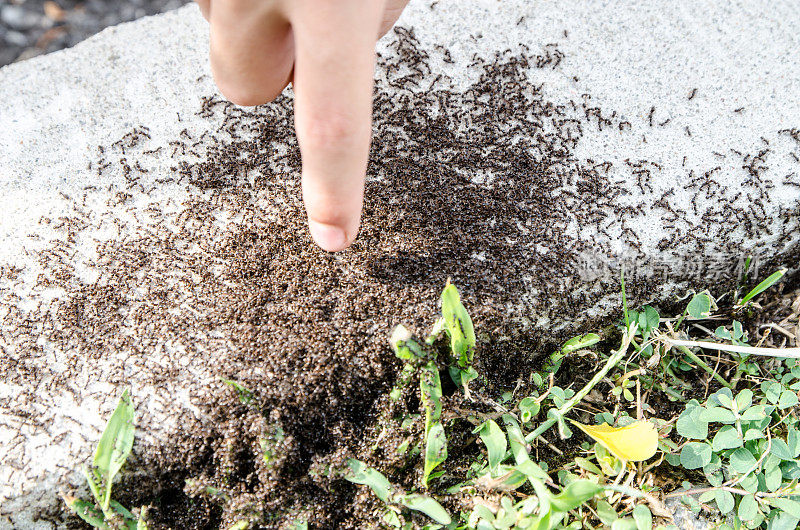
<point x="478" y="185"/>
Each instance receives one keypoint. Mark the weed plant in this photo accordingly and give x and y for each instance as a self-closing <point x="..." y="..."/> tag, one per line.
<point x="712" y="423"/>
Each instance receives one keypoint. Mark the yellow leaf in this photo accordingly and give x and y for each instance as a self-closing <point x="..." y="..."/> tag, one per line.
<point x="633" y="443"/>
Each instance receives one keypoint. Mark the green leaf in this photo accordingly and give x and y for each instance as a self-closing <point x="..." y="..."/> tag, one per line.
<point x="724" y="500"/>
<point x="430" y="386"/>
<point x="466" y="375"/>
<point x="695" y="455"/>
<point x="723" y="333"/>
<point x="86" y="511"/>
<point x="435" y="438"/>
<point x="495" y="441"/>
<point x="426" y="505"/>
<point x="481" y="512"/>
<point x="772" y="390"/>
<point x="783" y="521"/>
<point x="458" y="325"/>
<point x="738" y="332"/>
<point x="405" y="346"/>
<point x="791" y="470"/>
<point x="606" y="513"/>
<point x="360" y="473"/>
<point x="115" y="444"/>
<point x="245" y="395"/>
<point x="673" y="459"/>
<point x="92" y="481"/>
<point x="623" y="524"/>
<point x="128" y="518"/>
<point x="755" y="413"/>
<point x="788" y="399"/>
<point x="648" y="319"/>
<point x="750" y="483"/>
<point x="748" y="508"/>
<point x="723" y="396"/>
<point x="742" y="460"/>
<point x="391" y="518"/>
<point x="587" y="465"/>
<point x="718" y="415"/>
<point x="780" y="449"/>
<point x="726" y="438"/>
<point x="575" y="494"/>
<point x="789" y="506"/>
<point x="713" y="469"/>
<point x="691" y="425"/>
<point x="753" y="434"/>
<point x="793" y="442"/>
<point x="403" y="447"/>
<point x="580" y="342"/>
<point x="435" y="450"/>
<point x="525" y="465"/>
<point x="764" y="285"/>
<point x="744" y="399"/>
<point x="514" y="478"/>
<point x="770" y="461"/>
<point x="563" y="429"/>
<point x="706" y="496"/>
<point x="691" y="503"/>
<point x="643" y="517"/>
<point x="528" y="409"/>
<point x="699" y="306"/>
<point x="121" y="510"/>
<point x="773" y="478"/>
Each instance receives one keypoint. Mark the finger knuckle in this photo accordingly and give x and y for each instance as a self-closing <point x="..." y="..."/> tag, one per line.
<point x="240" y="94"/>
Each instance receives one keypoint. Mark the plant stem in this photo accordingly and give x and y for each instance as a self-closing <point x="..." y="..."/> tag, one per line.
<point x="758" y="495"/>
<point x="738" y="374"/>
<point x="702" y="364"/>
<point x="681" y="319"/>
<point x="566" y="407"/>
<point x="703" y="490"/>
<point x="791" y="353"/>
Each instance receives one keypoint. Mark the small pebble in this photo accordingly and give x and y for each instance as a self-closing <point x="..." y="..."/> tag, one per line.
<point x="16" y="38"/>
<point x="18" y="18"/>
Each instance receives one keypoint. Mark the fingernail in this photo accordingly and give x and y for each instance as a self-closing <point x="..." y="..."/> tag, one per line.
<point x="328" y="237"/>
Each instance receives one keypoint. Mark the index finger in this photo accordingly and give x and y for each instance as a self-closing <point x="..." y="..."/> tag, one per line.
<point x="333" y="77"/>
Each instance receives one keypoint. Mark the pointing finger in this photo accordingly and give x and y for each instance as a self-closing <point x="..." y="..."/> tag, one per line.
<point x="333" y="77"/>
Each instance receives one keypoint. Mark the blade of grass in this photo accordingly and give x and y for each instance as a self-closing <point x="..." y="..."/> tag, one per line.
<point x="764" y="285"/>
<point x="702" y="364"/>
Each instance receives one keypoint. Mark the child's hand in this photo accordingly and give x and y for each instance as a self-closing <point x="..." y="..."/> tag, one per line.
<point x="326" y="48"/>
